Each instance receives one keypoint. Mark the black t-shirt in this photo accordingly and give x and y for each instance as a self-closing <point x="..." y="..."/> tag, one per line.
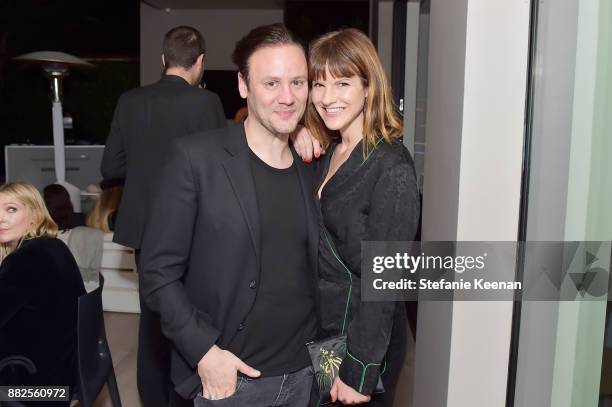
<point x="283" y="317"/>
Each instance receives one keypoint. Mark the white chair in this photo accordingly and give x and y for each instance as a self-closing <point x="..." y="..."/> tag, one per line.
<point x="121" y="280"/>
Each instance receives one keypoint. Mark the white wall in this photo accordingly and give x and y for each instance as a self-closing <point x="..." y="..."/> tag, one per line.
<point x="220" y="28"/>
<point x="489" y="187"/>
<point x="411" y="65"/>
<point x="476" y="107"/>
<point x="385" y="34"/>
<point x="445" y="75"/>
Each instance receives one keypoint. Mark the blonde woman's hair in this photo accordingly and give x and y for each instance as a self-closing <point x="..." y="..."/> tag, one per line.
<point x="42" y="224"/>
<point x="346" y="53"/>
<point x="107" y="203"/>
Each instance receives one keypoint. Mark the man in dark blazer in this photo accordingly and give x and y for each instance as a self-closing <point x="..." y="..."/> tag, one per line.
<point x="230" y="249"/>
<point x="146" y="121"/>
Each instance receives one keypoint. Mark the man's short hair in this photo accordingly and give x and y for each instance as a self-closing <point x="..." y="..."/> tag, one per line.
<point x="182" y="47"/>
<point x="259" y="37"/>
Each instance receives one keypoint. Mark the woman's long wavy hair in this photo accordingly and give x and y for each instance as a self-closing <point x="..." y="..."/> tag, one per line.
<point x="346" y="53"/>
<point x="107" y="203"/>
<point x="41" y="222"/>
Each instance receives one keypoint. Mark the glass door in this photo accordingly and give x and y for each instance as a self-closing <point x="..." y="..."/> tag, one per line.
<point x="563" y="349"/>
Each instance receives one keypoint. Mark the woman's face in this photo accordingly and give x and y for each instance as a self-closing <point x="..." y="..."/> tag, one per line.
<point x="15" y="218"/>
<point x="339" y="102"/>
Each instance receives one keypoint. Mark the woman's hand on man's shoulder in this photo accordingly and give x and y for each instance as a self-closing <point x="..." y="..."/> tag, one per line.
<point x="305" y="144"/>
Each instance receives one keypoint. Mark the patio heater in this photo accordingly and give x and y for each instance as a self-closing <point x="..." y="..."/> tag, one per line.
<point x="56" y="66"/>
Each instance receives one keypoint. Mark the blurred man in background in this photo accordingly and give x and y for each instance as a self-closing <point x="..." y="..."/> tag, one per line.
<point x="146" y="120"/>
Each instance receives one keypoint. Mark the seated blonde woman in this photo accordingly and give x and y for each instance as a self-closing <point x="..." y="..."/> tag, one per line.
<point x="103" y="215"/>
<point x="39" y="286"/>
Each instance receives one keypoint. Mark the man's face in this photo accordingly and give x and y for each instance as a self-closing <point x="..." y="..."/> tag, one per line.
<point x="277" y="91"/>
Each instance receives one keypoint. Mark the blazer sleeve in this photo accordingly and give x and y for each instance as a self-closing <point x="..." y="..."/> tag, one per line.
<point x="164" y="259"/>
<point x="114" y="162"/>
<point x="16" y="288"/>
<point x="394" y="215"/>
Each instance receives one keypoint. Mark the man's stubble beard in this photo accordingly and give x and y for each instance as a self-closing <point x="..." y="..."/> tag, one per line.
<point x="269" y="124"/>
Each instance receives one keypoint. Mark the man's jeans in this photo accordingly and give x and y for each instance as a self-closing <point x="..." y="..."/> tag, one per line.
<point x="288" y="390"/>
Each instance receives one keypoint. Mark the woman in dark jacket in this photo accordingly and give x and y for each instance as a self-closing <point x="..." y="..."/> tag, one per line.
<point x="368" y="192"/>
<point x="39" y="287"/>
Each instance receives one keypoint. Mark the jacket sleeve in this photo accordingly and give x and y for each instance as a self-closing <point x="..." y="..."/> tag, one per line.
<point x="394" y="215"/>
<point x="165" y="254"/>
<point x="114" y="163"/>
<point x="15" y="288"/>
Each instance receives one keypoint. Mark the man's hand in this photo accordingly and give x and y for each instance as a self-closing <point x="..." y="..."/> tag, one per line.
<point x="346" y="394"/>
<point x="305" y="144"/>
<point x="218" y="370"/>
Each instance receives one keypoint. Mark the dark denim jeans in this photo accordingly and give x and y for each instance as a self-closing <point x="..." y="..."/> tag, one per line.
<point x="288" y="390"/>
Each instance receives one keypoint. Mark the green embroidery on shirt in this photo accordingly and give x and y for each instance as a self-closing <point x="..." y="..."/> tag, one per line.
<point x="369" y="153"/>
<point x="363" y="371"/>
<point x="350" y="276"/>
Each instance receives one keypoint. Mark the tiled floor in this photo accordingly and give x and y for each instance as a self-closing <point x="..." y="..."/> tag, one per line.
<point x="122" y="334"/>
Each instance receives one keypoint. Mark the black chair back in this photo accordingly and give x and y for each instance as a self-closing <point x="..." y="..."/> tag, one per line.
<point x="12" y="363"/>
<point x="18" y="361"/>
<point x="95" y="365"/>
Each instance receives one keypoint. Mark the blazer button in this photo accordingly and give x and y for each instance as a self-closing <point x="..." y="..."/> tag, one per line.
<point x="252" y="284"/>
<point x="241" y="326"/>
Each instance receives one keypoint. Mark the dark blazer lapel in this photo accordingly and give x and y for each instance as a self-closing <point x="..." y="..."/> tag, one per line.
<point x="307" y="182"/>
<point x="238" y="169"/>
